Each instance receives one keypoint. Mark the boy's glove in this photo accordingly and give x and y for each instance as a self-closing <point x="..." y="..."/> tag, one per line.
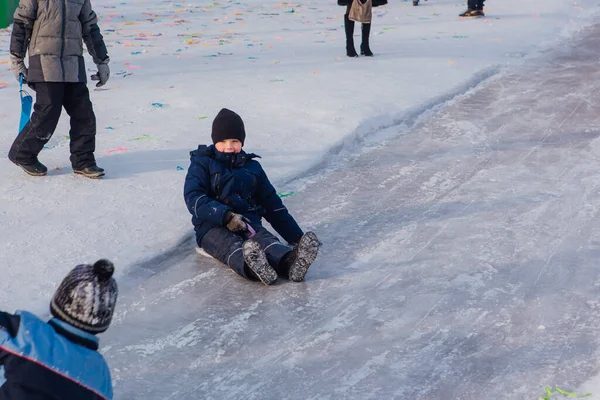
<point x="102" y="75"/>
<point x="19" y="68"/>
<point x="235" y="222"/>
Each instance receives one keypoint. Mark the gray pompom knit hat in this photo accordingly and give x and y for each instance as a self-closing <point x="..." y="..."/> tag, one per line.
<point x="87" y="297"/>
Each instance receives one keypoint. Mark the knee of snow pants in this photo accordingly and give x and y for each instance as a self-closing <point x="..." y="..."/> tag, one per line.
<point x="226" y="247"/>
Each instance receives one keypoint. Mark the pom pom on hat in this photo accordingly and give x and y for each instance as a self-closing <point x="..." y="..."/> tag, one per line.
<point x="104" y="269"/>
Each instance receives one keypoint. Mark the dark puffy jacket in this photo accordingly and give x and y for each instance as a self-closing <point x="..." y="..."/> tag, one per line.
<point x="49" y="361"/>
<point x="54" y="32"/>
<point x="217" y="182"/>
<point x="376" y="3"/>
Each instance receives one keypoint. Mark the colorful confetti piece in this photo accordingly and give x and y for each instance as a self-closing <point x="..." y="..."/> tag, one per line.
<point x="288" y="194"/>
<point x="117" y="150"/>
<point x="144" y="137"/>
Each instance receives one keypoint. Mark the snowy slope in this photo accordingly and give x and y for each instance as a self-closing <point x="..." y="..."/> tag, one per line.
<point x="285" y="72"/>
<point x="460" y="262"/>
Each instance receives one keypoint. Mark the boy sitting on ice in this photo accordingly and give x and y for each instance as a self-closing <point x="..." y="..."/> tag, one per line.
<point x="227" y="192"/>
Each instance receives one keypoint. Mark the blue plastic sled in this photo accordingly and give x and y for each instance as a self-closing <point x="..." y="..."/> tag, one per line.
<point x="26" y="105"/>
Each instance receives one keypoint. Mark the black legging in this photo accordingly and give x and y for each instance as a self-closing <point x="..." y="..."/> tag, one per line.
<point x="475" y="4"/>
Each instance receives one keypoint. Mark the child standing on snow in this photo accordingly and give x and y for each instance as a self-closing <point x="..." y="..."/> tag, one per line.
<point x="227" y="192"/>
<point x="59" y="359"/>
<point x="53" y="32"/>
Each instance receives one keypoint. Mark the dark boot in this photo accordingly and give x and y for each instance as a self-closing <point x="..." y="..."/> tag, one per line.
<point x="92" y="171"/>
<point x="474" y="9"/>
<point x="256" y="260"/>
<point x="349" y="26"/>
<point x="35" y="169"/>
<point x="365" y="50"/>
<point x="472" y="14"/>
<point x="299" y="260"/>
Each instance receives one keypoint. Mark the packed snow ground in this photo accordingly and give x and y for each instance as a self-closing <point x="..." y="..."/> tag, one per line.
<point x="402" y="263"/>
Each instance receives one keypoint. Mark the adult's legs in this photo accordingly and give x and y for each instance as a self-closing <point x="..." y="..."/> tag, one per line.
<point x="349" y="28"/>
<point x="364" y="46"/>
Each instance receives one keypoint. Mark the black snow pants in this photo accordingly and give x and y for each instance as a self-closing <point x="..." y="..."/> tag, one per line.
<point x="226" y="247"/>
<point x="475" y="4"/>
<point x="51" y="97"/>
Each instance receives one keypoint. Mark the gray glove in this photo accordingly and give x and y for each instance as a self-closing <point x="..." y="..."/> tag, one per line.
<point x="236" y="222"/>
<point x="18" y="67"/>
<point x="102" y="75"/>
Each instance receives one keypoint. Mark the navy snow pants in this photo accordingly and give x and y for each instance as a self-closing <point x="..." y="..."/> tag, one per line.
<point x="226" y="247"/>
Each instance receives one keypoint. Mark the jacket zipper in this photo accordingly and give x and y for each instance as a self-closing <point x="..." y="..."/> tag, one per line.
<point x="217" y="185"/>
<point x="62" y="37"/>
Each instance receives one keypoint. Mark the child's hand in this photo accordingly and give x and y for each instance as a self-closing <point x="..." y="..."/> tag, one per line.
<point x="102" y="75"/>
<point x="19" y="68"/>
<point x="236" y="223"/>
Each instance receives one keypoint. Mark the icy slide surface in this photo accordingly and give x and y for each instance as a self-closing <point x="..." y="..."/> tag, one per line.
<point x="460" y="262"/>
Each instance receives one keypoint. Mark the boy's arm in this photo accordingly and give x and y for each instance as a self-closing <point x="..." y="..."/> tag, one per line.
<point x="276" y="213"/>
<point x="195" y="192"/>
<point x="91" y="34"/>
<point x="9" y="326"/>
<point x="24" y="17"/>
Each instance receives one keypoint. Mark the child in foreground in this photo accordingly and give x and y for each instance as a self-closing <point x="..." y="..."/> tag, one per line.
<point x="59" y="359"/>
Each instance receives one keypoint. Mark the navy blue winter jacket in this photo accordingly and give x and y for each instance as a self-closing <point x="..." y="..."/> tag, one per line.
<point x="217" y="182"/>
<point x="49" y="361"/>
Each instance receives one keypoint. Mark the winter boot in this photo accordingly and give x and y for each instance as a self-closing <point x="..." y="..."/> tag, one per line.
<point x="256" y="260"/>
<point x="299" y="260"/>
<point x="349" y="26"/>
<point x="35" y="169"/>
<point x="415" y="2"/>
<point x="365" y="50"/>
<point x="93" y="172"/>
<point x="470" y="13"/>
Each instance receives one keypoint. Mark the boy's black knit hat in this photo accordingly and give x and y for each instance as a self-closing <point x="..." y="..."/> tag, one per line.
<point x="228" y="125"/>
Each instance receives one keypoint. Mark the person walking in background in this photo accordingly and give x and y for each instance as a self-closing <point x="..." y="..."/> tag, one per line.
<point x="474" y="9"/>
<point x="59" y="359"/>
<point x="362" y="12"/>
<point x="54" y="36"/>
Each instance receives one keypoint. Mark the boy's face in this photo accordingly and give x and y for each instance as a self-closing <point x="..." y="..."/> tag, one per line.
<point x="229" y="146"/>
